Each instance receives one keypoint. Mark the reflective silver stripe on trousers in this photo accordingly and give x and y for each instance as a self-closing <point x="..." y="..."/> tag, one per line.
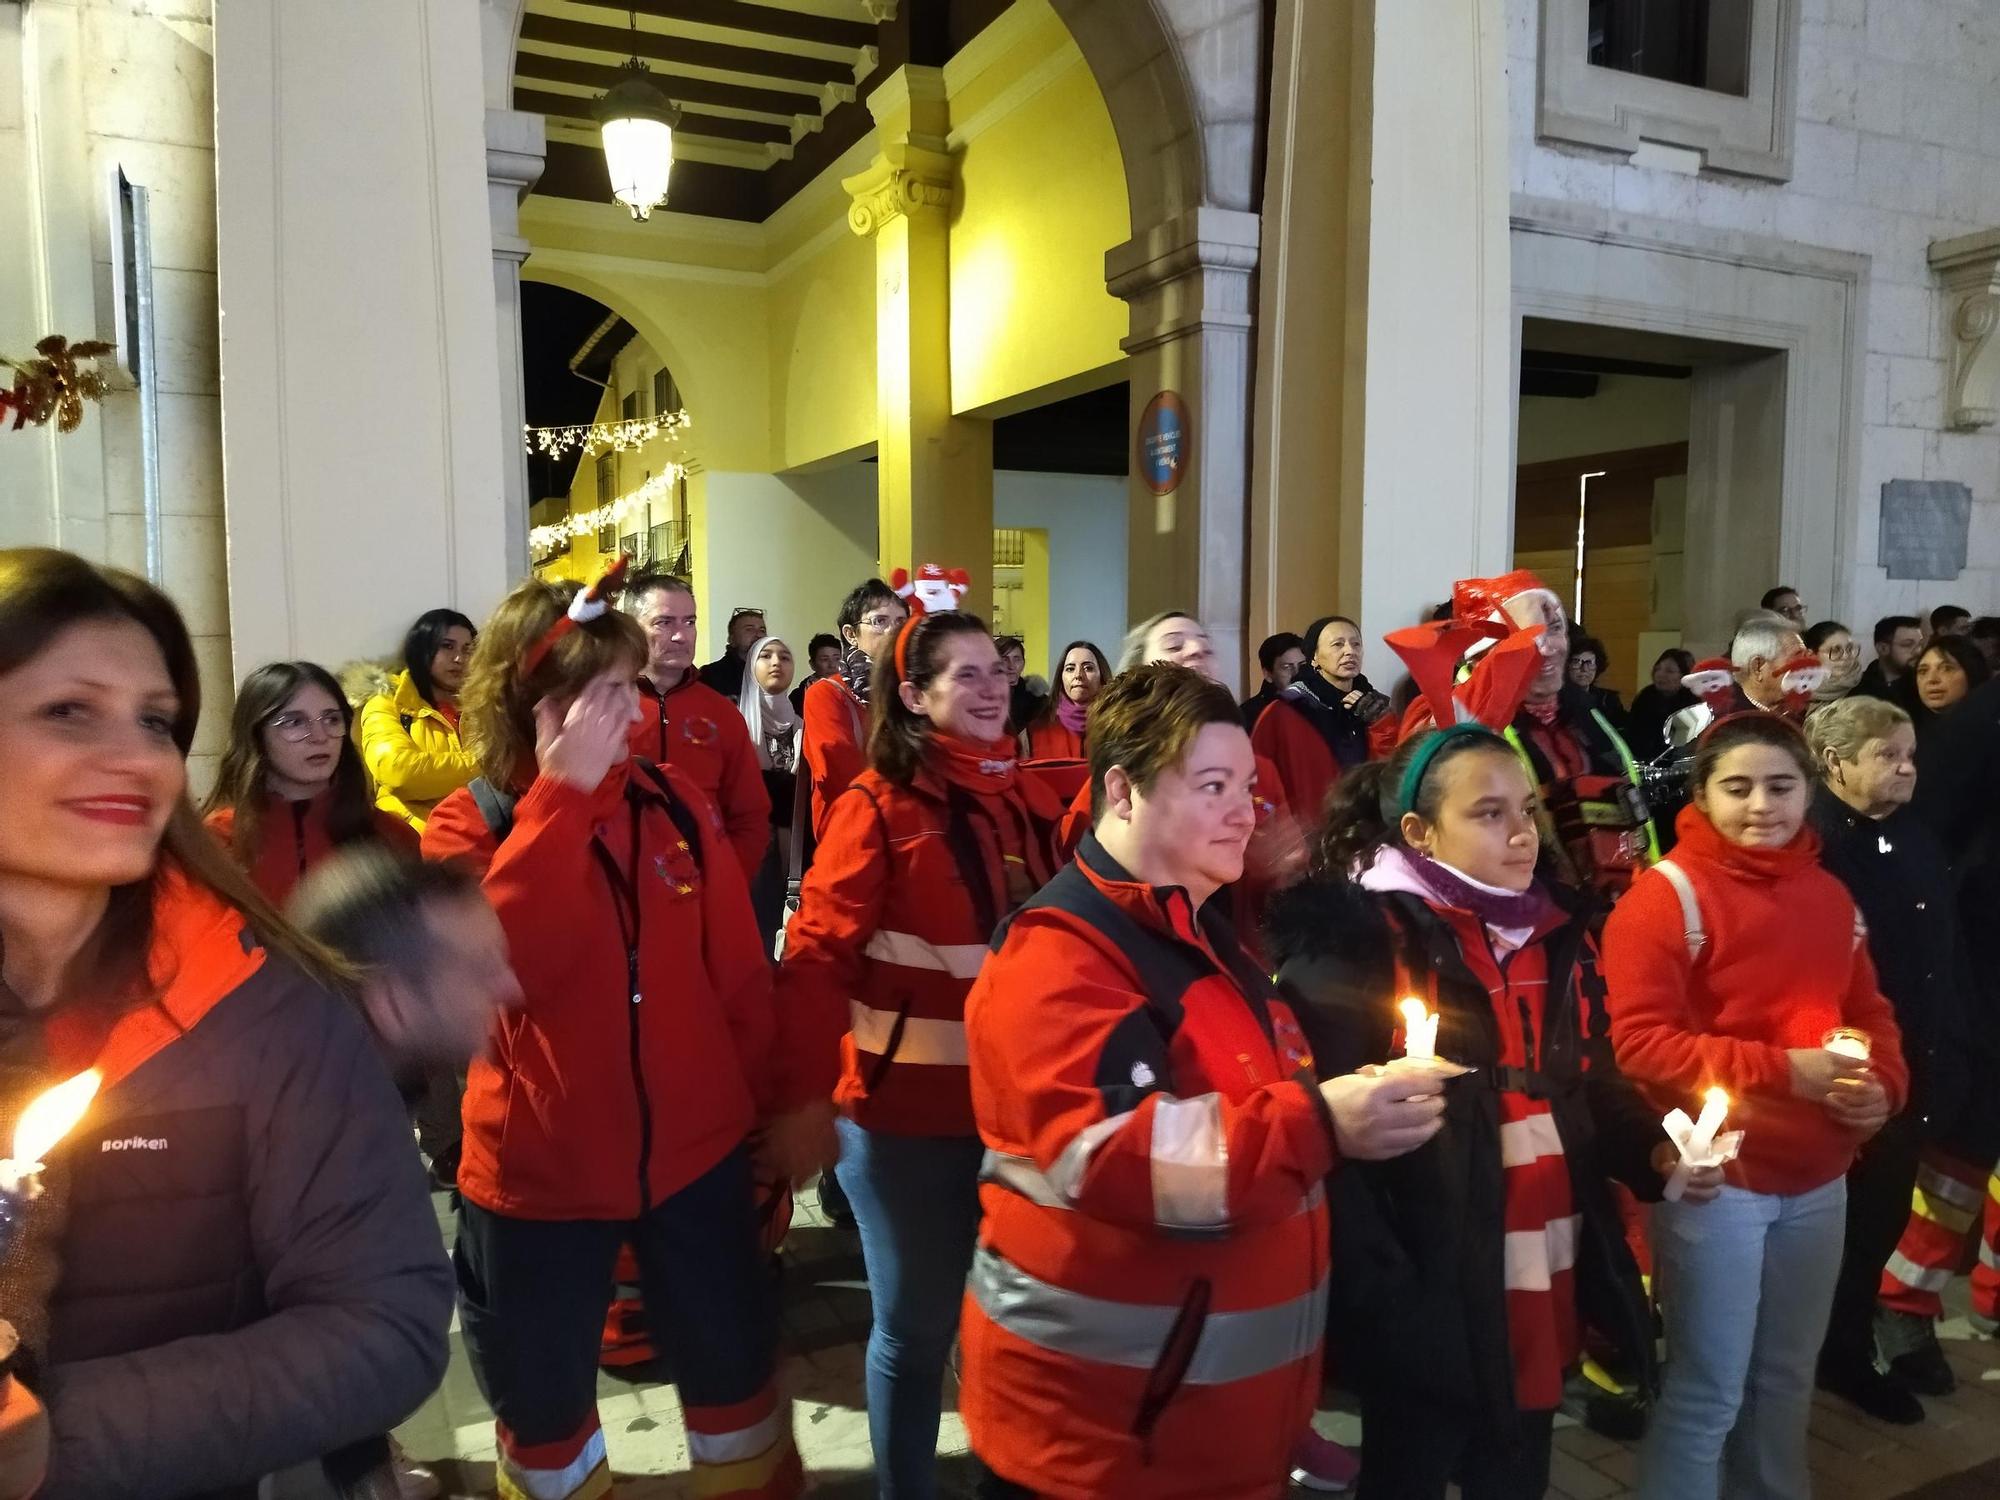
<point x="1018" y="1174"/>
<point x="1234" y="1345"/>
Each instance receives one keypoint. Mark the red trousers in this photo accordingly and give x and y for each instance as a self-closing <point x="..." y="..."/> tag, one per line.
<point x="1951" y="1198"/>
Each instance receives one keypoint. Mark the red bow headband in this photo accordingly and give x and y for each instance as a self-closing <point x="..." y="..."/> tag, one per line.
<point x="591" y="604"/>
<point x="1512" y="657"/>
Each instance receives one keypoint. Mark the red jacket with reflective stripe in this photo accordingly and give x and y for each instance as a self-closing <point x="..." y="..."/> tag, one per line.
<point x="1146" y="1310"/>
<point x="701" y="734"/>
<point x="888" y="936"/>
<point x="586" y="1094"/>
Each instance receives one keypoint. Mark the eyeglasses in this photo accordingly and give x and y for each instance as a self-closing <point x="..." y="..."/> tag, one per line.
<point x="1848" y="652"/>
<point x="296" y="729"/>
<point x="881" y="622"/>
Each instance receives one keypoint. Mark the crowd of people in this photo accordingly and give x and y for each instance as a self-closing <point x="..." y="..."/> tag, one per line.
<point x="1171" y="1056"/>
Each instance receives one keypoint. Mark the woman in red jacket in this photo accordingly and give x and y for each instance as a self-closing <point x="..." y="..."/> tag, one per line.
<point x="291" y="788"/>
<point x="620" y="1098"/>
<point x="921" y="860"/>
<point x="1058" y="730"/>
<point x="1728" y="965"/>
<point x="1328" y="721"/>
<point x="1145" y="1312"/>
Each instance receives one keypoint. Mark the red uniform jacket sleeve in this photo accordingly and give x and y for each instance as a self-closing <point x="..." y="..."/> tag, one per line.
<point x="746" y="805"/>
<point x="1383" y="735"/>
<point x="840" y="907"/>
<point x="1046" y="1014"/>
<point x="1653" y="1029"/>
<point x="834" y="750"/>
<point x="1305" y="768"/>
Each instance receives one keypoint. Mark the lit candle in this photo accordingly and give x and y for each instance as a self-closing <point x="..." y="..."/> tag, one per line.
<point x="48" y="1118"/>
<point x="1714" y="1109"/>
<point x="1420" y="1030"/>
<point x="1847" y="1042"/>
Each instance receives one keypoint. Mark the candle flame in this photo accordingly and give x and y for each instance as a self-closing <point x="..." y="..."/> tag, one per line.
<point x="1416" y="1015"/>
<point x="52" y="1115"/>
<point x="1717" y="1100"/>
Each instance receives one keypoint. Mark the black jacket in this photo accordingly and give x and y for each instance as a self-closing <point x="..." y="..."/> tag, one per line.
<point x="1902" y="883"/>
<point x="725" y="674"/>
<point x="252" y="1274"/>
<point x="1419" y="1302"/>
<point x="1646" y="720"/>
<point x="1322" y="704"/>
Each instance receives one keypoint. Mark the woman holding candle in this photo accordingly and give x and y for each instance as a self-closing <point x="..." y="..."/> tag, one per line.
<point x="622" y="1096"/>
<point x="921" y="860"/>
<point x="291" y="788"/>
<point x="1728" y="968"/>
<point x="1145" y="1312"/>
<point x="1468" y="1271"/>
<point x="251" y="1270"/>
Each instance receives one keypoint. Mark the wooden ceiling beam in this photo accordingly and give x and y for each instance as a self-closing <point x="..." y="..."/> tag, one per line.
<point x="765" y="20"/>
<point x="677" y="87"/>
<point x="693" y="122"/>
<point x="789" y="67"/>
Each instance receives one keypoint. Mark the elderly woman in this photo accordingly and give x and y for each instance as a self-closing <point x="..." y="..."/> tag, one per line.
<point x="1152" y="1269"/>
<point x="1901" y="880"/>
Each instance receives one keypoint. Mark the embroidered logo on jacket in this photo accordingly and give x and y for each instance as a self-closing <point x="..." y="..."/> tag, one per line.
<point x="699" y="730"/>
<point x="1143" y="1076"/>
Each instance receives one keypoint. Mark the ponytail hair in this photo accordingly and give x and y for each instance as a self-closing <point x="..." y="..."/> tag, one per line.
<point x="1364" y="811"/>
<point x="897" y="737"/>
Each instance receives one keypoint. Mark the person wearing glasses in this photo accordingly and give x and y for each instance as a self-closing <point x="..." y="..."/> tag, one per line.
<point x="291" y="788"/>
<point x="409" y="735"/>
<point x="836" y="708"/>
<point x="1840" y="653"/>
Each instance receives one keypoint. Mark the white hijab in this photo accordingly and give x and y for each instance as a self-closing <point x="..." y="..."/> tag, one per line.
<point x="773" y="722"/>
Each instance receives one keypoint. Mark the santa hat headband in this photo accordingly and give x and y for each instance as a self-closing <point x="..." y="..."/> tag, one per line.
<point x="935" y="588"/>
<point x="1509" y="656"/>
<point x="591" y="604"/>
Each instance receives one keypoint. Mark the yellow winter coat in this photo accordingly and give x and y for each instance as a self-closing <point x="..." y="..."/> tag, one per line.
<point x="413" y="753"/>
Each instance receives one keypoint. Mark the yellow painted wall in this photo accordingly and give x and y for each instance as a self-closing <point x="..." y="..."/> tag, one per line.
<point x="821" y="315"/>
<point x="1042" y="197"/>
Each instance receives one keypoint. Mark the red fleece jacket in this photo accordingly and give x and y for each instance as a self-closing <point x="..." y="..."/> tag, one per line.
<point x="1785" y="961"/>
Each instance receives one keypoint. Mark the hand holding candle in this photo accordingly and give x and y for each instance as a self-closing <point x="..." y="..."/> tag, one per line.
<point x="1702" y="1142"/>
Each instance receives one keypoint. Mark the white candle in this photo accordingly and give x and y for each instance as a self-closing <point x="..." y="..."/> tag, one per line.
<point x="1847" y="1042"/>
<point x="1714" y="1109"/>
<point x="1420" y="1029"/>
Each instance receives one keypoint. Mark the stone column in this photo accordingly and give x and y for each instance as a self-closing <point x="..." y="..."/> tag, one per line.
<point x="516" y="144"/>
<point x="1190" y="285"/>
<point x="362" y="425"/>
<point x="934" y="470"/>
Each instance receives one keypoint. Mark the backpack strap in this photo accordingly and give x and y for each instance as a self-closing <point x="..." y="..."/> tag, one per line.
<point x="684" y="817"/>
<point x="1697" y="938"/>
<point x="495" y="806"/>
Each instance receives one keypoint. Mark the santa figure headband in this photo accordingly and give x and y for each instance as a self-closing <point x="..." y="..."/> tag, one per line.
<point x="591" y="604"/>
<point x="935" y="588"/>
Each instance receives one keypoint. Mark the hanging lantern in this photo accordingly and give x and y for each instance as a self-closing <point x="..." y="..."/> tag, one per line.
<point x="637" y="123"/>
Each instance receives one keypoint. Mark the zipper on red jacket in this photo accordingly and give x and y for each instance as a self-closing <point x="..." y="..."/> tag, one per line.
<point x="625" y="901"/>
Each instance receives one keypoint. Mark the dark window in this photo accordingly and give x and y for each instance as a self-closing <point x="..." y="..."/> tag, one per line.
<point x="1704" y="44"/>
<point x="607" y="478"/>
<point x="666" y="395"/>
<point x="630" y="411"/>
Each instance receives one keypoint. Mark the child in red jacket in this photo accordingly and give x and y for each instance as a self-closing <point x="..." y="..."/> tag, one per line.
<point x="1728" y="965"/>
<point x="621" y="1097"/>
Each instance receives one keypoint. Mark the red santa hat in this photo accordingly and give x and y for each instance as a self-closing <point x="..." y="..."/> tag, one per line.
<point x="935" y="589"/>
<point x="1509" y="656"/>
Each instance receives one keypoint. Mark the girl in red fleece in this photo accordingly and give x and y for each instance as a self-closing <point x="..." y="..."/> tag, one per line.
<point x="1727" y="966"/>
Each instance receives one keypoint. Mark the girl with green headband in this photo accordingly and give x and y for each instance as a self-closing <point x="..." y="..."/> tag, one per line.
<point x="1470" y="1270"/>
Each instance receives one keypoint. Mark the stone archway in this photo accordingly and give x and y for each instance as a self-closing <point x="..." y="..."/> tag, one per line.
<point x="1184" y="83"/>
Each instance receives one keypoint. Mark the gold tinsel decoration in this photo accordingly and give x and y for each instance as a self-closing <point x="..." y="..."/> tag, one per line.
<point x="54" y="386"/>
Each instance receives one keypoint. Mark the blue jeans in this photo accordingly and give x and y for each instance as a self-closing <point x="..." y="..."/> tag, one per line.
<point x="1746" y="1283"/>
<point x="916" y="1202"/>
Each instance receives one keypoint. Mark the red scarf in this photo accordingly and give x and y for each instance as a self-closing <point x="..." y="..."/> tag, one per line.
<point x="984" y="770"/>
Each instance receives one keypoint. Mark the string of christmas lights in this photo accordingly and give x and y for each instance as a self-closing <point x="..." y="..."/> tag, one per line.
<point x="605" y="437"/>
<point x="545" y="541"/>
